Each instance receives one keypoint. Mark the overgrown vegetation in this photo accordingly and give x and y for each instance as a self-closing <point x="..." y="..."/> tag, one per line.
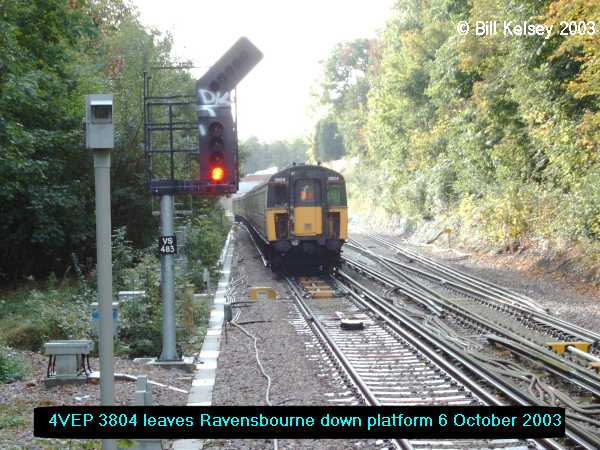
<point x="33" y="315"/>
<point x="53" y="53"/>
<point x="497" y="133"/>
<point x="208" y="231"/>
<point x="12" y="367"/>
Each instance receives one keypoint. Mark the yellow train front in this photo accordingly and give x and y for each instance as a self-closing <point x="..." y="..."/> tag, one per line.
<point x="299" y="216"/>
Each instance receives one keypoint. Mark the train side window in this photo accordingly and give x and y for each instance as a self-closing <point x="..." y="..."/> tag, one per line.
<point x="307" y="192"/>
<point x="278" y="196"/>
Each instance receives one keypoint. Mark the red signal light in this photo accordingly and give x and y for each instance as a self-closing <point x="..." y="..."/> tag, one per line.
<point x="217" y="174"/>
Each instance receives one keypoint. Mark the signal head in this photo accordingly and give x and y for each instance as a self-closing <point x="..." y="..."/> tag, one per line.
<point x="217" y="174"/>
<point x="215" y="129"/>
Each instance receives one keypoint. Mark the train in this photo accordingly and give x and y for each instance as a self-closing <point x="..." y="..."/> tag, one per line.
<point x="299" y="216"/>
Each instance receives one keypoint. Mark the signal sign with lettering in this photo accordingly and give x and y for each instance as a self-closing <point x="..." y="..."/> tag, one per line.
<point x="167" y="245"/>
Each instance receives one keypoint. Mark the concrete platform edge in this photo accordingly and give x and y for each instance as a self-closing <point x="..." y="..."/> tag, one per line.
<point x="204" y="379"/>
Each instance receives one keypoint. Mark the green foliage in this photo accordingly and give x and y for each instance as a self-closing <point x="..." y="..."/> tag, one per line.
<point x="12" y="368"/>
<point x="207" y="236"/>
<point x="344" y="92"/>
<point x="123" y="256"/>
<point x="329" y="144"/>
<point x="53" y="53"/>
<point x="256" y="155"/>
<point x="60" y="313"/>
<point x="141" y="319"/>
<point x="39" y="127"/>
<point x="500" y="132"/>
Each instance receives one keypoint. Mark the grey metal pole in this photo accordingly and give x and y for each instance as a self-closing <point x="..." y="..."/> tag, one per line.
<point x="167" y="285"/>
<point x="104" y="271"/>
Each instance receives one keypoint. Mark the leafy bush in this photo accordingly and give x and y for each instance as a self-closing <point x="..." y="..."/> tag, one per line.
<point x="141" y="319"/>
<point x="61" y="313"/>
<point x="124" y="257"/>
<point x="206" y="237"/>
<point x="205" y="240"/>
<point x="11" y="366"/>
<point x="31" y="317"/>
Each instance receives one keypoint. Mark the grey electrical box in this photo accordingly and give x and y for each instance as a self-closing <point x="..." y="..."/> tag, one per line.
<point x="99" y="128"/>
<point x="96" y="318"/>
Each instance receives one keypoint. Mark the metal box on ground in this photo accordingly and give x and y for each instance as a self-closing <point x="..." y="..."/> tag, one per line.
<point x="262" y="293"/>
<point x="96" y="318"/>
<point x="68" y="359"/>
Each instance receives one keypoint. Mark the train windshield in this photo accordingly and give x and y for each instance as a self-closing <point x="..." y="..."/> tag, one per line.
<point x="335" y="195"/>
<point x="278" y="196"/>
<point x="307" y="193"/>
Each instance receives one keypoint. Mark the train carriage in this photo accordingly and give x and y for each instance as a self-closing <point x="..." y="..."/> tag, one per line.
<point x="299" y="215"/>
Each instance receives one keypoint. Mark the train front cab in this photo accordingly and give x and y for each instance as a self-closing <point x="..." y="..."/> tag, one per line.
<point x="309" y="224"/>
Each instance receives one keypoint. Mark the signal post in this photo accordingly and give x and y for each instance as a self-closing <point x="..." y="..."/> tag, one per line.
<point x="216" y="154"/>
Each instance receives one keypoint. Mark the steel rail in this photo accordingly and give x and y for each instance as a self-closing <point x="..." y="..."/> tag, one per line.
<point x="424" y="340"/>
<point x="539" y="312"/>
<point x="416" y="293"/>
<point x="262" y="255"/>
<point x="560" y="328"/>
<point x="335" y="351"/>
<point x="433" y="355"/>
<point x="554" y="367"/>
<point x="495" y="289"/>
<point x="542" y="318"/>
<point x="569" y="371"/>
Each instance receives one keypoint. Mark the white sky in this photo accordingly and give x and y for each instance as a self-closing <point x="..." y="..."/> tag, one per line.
<point x="274" y="99"/>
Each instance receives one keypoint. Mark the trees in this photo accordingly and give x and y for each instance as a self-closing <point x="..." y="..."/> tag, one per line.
<point x="328" y="142"/>
<point x="53" y="53"/>
<point x="506" y="128"/>
<point x="344" y="91"/>
<point x="257" y="155"/>
<point x="40" y="165"/>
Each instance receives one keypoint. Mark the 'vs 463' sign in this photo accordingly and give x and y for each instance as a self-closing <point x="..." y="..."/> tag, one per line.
<point x="167" y="245"/>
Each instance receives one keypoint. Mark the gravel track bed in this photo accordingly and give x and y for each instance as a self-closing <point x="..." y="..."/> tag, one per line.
<point x="290" y="356"/>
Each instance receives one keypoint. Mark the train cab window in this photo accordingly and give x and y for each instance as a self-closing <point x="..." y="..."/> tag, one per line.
<point x="307" y="192"/>
<point x="336" y="195"/>
<point x="278" y="196"/>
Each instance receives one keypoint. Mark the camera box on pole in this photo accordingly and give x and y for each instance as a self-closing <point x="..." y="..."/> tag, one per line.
<point x="99" y="128"/>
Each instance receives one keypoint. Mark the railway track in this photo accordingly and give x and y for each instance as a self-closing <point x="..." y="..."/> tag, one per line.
<point x="518" y="340"/>
<point x="533" y="329"/>
<point x="392" y="368"/>
<point x="507" y="327"/>
<point x="379" y="362"/>
<point x="485" y="292"/>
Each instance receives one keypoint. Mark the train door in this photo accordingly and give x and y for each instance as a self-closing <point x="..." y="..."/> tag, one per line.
<point x="307" y="207"/>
